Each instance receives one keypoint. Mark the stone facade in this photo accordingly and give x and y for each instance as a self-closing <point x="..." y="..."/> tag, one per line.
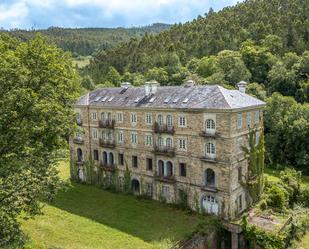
<point x="173" y="158"/>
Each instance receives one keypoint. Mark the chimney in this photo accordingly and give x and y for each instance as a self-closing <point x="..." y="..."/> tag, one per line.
<point x="189" y="83"/>
<point x="242" y="86"/>
<point x="151" y="87"/>
<point x="125" y="84"/>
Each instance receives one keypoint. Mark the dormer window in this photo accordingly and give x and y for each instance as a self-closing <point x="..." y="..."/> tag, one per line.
<point x="210" y="126"/>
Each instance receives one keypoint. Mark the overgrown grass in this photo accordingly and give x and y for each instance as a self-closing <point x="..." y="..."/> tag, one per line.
<point x="88" y="217"/>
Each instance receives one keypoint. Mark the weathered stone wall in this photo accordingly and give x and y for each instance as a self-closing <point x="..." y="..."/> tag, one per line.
<point x="229" y="157"/>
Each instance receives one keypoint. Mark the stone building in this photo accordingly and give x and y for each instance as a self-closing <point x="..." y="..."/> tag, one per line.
<point x="177" y="142"/>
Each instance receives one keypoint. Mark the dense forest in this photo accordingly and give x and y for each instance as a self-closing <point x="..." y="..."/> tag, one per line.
<point x="263" y="42"/>
<point x="86" y="41"/>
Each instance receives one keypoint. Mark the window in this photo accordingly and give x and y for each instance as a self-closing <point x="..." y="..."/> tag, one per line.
<point x="94" y="116"/>
<point x="169" y="143"/>
<point x="119" y="117"/>
<point x="148" y="140"/>
<point x="79" y="155"/>
<point x="160" y="119"/>
<point x="120" y="136"/>
<point x="148" y="119"/>
<point x="109" y="116"/>
<point x="257" y="137"/>
<point x="165" y="192"/>
<point x="239" y="144"/>
<point x="210" y="178"/>
<point x="248" y="119"/>
<point x="210" y="126"/>
<point x="210" y="150"/>
<point x="160" y="142"/>
<point x="169" y="120"/>
<point x="149" y="164"/>
<point x="134" y="161"/>
<point x="182" y="121"/>
<point x="102" y="116"/>
<point x="103" y="135"/>
<point x="257" y="117"/>
<point x="182" y="169"/>
<point x="133" y="118"/>
<point x="239" y="174"/>
<point x="239" y="120"/>
<point x="94" y="133"/>
<point x="95" y="155"/>
<point x="240" y="202"/>
<point x="149" y="189"/>
<point x="134" y="138"/>
<point x="109" y="136"/>
<point x="120" y="159"/>
<point x="121" y="182"/>
<point x="182" y="144"/>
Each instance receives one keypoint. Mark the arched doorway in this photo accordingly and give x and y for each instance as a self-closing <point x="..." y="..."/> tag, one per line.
<point x="135" y="187"/>
<point x="104" y="157"/>
<point x="79" y="155"/>
<point x="81" y="175"/>
<point x="169" y="168"/>
<point x="210" y="204"/>
<point x="111" y="158"/>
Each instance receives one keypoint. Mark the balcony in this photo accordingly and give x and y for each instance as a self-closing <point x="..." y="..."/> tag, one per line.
<point x="78" y="140"/>
<point x="107" y="166"/>
<point x="209" y="159"/>
<point x="166" y="179"/>
<point x="108" y="123"/>
<point x="165" y="151"/>
<point x="163" y="128"/>
<point x="107" y="143"/>
<point x="209" y="134"/>
<point x="209" y="188"/>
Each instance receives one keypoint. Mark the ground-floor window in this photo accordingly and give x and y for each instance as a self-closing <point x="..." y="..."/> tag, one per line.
<point x="210" y="204"/>
<point x="135" y="186"/>
<point x="149" y="189"/>
<point x="166" y="192"/>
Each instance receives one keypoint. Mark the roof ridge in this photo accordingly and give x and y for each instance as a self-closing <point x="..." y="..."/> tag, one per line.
<point x="221" y="89"/>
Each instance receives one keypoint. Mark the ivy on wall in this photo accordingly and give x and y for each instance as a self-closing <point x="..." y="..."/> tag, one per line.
<point x="255" y="155"/>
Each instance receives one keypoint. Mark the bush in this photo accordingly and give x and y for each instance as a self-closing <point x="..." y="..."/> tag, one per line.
<point x="276" y="198"/>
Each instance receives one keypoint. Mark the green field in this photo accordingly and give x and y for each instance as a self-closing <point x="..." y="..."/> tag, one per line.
<point x="88" y="217"/>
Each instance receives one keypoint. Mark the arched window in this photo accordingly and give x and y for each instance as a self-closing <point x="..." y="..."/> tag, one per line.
<point x="210" y="150"/>
<point x="169" y="120"/>
<point x="160" y="119"/>
<point x="109" y="116"/>
<point x="135" y="187"/>
<point x="104" y="158"/>
<point x="210" y="178"/>
<point x="79" y="155"/>
<point x="102" y="116"/>
<point x="169" y="143"/>
<point x="210" y="126"/>
<point x="169" y="168"/>
<point x="161" y="167"/>
<point x="111" y="158"/>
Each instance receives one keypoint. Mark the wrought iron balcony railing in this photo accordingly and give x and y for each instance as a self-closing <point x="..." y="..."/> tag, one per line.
<point x="107" y="123"/>
<point x="108" y="166"/>
<point x="163" y="128"/>
<point x="165" y="150"/>
<point x="107" y="143"/>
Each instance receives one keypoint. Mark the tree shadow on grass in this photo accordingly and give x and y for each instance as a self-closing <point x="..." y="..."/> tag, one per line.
<point x="149" y="220"/>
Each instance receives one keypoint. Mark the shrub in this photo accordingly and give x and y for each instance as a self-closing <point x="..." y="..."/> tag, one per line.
<point x="276" y="198"/>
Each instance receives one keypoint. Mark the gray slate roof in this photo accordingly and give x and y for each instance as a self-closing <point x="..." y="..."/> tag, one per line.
<point x="199" y="97"/>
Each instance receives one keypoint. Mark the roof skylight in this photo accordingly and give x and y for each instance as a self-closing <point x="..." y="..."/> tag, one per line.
<point x="110" y="99"/>
<point x="185" y="100"/>
<point x="105" y="98"/>
<point x="152" y="99"/>
<point x="167" y="99"/>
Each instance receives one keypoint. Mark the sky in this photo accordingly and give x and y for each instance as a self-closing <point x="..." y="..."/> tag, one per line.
<point x="27" y="14"/>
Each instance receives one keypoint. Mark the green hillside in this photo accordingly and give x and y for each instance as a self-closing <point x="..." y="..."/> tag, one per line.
<point x="225" y="30"/>
<point x="86" y="41"/>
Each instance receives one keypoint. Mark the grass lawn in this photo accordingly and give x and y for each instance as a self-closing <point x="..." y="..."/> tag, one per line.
<point x="88" y="217"/>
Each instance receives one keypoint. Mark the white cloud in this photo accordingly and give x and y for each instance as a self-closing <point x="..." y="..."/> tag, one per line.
<point x="13" y="15"/>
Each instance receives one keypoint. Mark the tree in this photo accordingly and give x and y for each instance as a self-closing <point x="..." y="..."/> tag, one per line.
<point x="38" y="86"/>
<point x="158" y="74"/>
<point x="87" y="83"/>
<point x="286" y="132"/>
<point x="113" y="76"/>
